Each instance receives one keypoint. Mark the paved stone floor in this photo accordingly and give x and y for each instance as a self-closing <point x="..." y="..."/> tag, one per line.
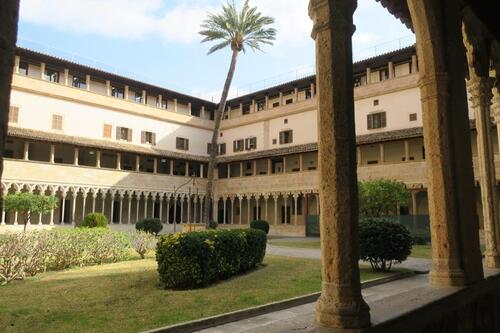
<point x="416" y="264"/>
<point x="300" y="318"/>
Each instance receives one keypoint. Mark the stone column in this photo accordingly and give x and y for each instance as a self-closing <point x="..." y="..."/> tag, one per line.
<point x="84" y="203"/>
<point x="390" y="67"/>
<point x="120" y="215"/>
<point x="456" y="257"/>
<point x="144" y="97"/>
<point x="63" y="206"/>
<point x="161" y="208"/>
<point x="94" y="196"/>
<point x="195" y="209"/>
<point x="176" y="198"/>
<point x="103" y="198"/>
<point x="275" y="209"/>
<point x="381" y="153"/>
<point x="358" y="155"/>
<point x="42" y="71"/>
<point x="224" y="204"/>
<point x="232" y="210"/>
<point x="129" y="207"/>
<point x="168" y="208"/>
<point x="66" y="77"/>
<point x="295" y="197"/>
<point x="182" y="210"/>
<point x="188" y="203"/>
<point x="269" y="166"/>
<point x="146" y="198"/>
<point x="240" y="198"/>
<point x="341" y="304"/>
<point x="137" y="163"/>
<point x="479" y="86"/>
<point x="407" y="151"/>
<point x="3" y="217"/>
<point x="17" y="61"/>
<point x="301" y="162"/>
<point x="249" y="199"/>
<point x="137" y="204"/>
<point x="73" y="208"/>
<point x="75" y="159"/>
<point x="112" y="201"/>
<point x="285" y="202"/>
<point x="52" y="153"/>
<point x="87" y="82"/>
<point x="413" y="203"/>
<point x="266" y="211"/>
<point x="26" y="151"/>
<point x="108" y="88"/>
<point x="98" y="159"/>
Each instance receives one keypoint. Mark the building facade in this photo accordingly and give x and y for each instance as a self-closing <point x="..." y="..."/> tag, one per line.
<point x="105" y="143"/>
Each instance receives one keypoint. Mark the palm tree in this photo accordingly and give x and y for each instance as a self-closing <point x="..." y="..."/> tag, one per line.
<point x="237" y="30"/>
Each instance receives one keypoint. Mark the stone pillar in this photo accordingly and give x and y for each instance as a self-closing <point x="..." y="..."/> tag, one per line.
<point x="175" y="104"/>
<point x="168" y="208"/>
<point x="254" y="168"/>
<point x="126" y="91"/>
<point x="63" y="206"/>
<point x="414" y="64"/>
<point x="73" y="208"/>
<point x="26" y="151"/>
<point x="414" y="203"/>
<point x="241" y="169"/>
<point x="479" y="86"/>
<point x="407" y="151"/>
<point x="232" y="210"/>
<point x="301" y="162"/>
<point x="52" y="153"/>
<point x="284" y="164"/>
<point x="275" y="209"/>
<point x="42" y="71"/>
<point x="120" y="215"/>
<point x="160" y="216"/>
<point x="358" y="155"/>
<point x="94" y="196"/>
<point x="155" y="166"/>
<point x="187" y="169"/>
<point x="195" y="209"/>
<point x="456" y="257"/>
<point x="17" y="61"/>
<point x="224" y="203"/>
<point x="3" y="217"/>
<point x="368" y="75"/>
<point x="296" y="95"/>
<point x="108" y="88"/>
<point x="295" y="197"/>
<point x="118" y="161"/>
<point x="171" y="162"/>
<point x="66" y="77"/>
<point x="75" y="159"/>
<point x="84" y="203"/>
<point x="266" y="103"/>
<point x="241" y="208"/>
<point x="390" y="66"/>
<point x="341" y="304"/>
<point x="146" y="198"/>
<point x="313" y="89"/>
<point x="129" y="207"/>
<point x="285" y="202"/>
<point x="137" y="163"/>
<point x="182" y="209"/>
<point x="103" y="198"/>
<point x="270" y="166"/>
<point x="249" y="201"/>
<point x="201" y="171"/>
<point x="137" y="204"/>
<point x="144" y="97"/>
<point x="381" y="153"/>
<point x="87" y="82"/>
<point x="98" y="159"/>
<point x="266" y="211"/>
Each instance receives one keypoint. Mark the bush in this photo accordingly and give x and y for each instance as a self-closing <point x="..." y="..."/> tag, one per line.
<point x="95" y="220"/>
<point x="153" y="226"/>
<point x="196" y="259"/>
<point x="384" y="242"/>
<point x="381" y="197"/>
<point x="260" y="225"/>
<point x="142" y="242"/>
<point x="212" y="225"/>
<point x="26" y="254"/>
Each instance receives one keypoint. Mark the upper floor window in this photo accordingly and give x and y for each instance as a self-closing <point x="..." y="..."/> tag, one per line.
<point x="138" y="97"/>
<point x="13" y="114"/>
<point x="51" y="75"/>
<point x="79" y="82"/>
<point x="377" y="120"/>
<point x="383" y="74"/>
<point x="221" y="148"/>
<point x="238" y="145"/>
<point x="276" y="104"/>
<point x="413" y="117"/>
<point x="23" y="68"/>
<point x="260" y="105"/>
<point x="289" y="101"/>
<point x="360" y="81"/>
<point x="148" y="138"/>
<point x="246" y="109"/>
<point x="182" y="144"/>
<point x="117" y="92"/>
<point x="124" y="134"/>
<point x="286" y="137"/>
<point x="308" y="94"/>
<point x="251" y="143"/>
<point x="106" y="131"/>
<point x="57" y="122"/>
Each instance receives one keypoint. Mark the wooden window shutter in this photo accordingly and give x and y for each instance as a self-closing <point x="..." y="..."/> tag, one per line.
<point x="129" y="135"/>
<point x="383" y="120"/>
<point x="153" y="139"/>
<point x="234" y="146"/>
<point x="106" y="131"/>
<point x="13" y="114"/>
<point x="282" y="137"/>
<point x="290" y="137"/>
<point x="369" y="121"/>
<point x="118" y="132"/>
<point x="247" y="144"/>
<point x="143" y="137"/>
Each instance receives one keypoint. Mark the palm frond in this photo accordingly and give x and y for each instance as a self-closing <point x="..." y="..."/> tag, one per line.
<point x="238" y="29"/>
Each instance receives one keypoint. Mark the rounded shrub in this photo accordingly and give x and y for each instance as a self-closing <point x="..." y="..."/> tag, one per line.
<point x="384" y="242"/>
<point x="260" y="225"/>
<point x="197" y="259"/>
<point x="153" y="226"/>
<point x="212" y="225"/>
<point x="95" y="220"/>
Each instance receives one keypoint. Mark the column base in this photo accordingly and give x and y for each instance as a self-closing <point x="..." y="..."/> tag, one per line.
<point x="338" y="308"/>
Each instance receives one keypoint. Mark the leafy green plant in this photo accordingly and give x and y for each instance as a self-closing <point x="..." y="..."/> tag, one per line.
<point x="384" y="242"/>
<point x="26" y="203"/>
<point x="197" y="259"/>
<point x="95" y="220"/>
<point x="260" y="225"/>
<point x="142" y="242"/>
<point x="213" y="225"/>
<point x="152" y="226"/>
<point x="381" y="197"/>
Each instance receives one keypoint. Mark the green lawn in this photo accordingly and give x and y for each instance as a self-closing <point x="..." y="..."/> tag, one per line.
<point x="418" y="251"/>
<point x="126" y="297"/>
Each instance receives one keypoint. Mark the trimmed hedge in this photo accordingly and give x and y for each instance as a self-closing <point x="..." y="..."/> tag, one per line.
<point x="95" y="220"/>
<point x="153" y="226"/>
<point x="383" y="242"/>
<point x="260" y="225"/>
<point x="197" y="259"/>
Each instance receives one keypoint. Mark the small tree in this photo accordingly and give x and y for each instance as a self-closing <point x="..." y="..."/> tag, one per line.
<point x="381" y="198"/>
<point x="28" y="203"/>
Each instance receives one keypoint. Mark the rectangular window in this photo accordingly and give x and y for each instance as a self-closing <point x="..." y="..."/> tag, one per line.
<point x="376" y="120"/>
<point x="238" y="145"/>
<point x="222" y="149"/>
<point x="79" y="82"/>
<point x="308" y="94"/>
<point x="289" y="101"/>
<point x="251" y="143"/>
<point x="360" y="81"/>
<point x="383" y="74"/>
<point x="106" y="131"/>
<point x="124" y="134"/>
<point x="57" y="122"/>
<point x="260" y="105"/>
<point x="182" y="144"/>
<point x="413" y="117"/>
<point x="23" y="68"/>
<point x="138" y="97"/>
<point x="13" y="114"/>
<point x="117" y="92"/>
<point x="148" y="138"/>
<point x="286" y="137"/>
<point x="246" y="109"/>
<point x="276" y="104"/>
<point x="51" y="75"/>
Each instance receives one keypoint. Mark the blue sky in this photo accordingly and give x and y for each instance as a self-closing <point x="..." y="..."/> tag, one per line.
<point x="157" y="40"/>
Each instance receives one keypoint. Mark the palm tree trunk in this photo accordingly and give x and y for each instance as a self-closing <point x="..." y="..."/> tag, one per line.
<point x="9" y="14"/>
<point x="215" y="136"/>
